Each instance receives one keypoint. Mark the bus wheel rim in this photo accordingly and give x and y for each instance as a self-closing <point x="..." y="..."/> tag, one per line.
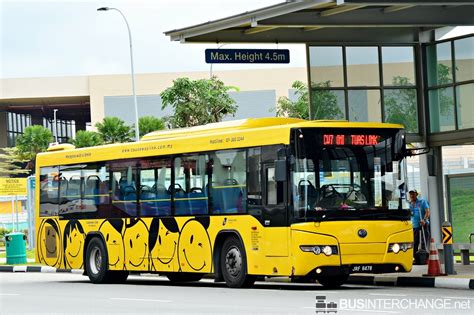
<point x="233" y="261"/>
<point x="95" y="261"/>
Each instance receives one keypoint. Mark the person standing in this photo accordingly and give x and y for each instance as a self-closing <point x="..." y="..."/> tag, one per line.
<point x="420" y="219"/>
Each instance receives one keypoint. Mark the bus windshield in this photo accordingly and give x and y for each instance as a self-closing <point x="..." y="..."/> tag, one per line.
<point x="349" y="174"/>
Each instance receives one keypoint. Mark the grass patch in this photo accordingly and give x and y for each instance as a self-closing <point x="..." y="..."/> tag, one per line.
<point x="29" y="254"/>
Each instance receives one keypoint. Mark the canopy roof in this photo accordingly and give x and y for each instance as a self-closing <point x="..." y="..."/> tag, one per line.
<point x="330" y="21"/>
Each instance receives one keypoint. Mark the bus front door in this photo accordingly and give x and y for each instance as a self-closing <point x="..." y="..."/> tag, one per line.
<point x="274" y="214"/>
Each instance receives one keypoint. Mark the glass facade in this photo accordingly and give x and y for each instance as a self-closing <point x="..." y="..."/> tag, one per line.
<point x="451" y="93"/>
<point x="364" y="83"/>
<point x="16" y="124"/>
<point x="66" y="129"/>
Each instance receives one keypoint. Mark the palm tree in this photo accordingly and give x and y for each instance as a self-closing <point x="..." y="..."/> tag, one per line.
<point x="113" y="130"/>
<point x="86" y="138"/>
<point x="149" y="124"/>
<point x="35" y="139"/>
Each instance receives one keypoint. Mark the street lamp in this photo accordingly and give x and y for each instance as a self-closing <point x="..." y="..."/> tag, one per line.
<point x="55" y="126"/>
<point x="137" y="132"/>
<point x="218" y="47"/>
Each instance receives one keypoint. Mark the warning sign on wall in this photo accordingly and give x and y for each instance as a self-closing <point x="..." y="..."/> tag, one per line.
<point x="13" y="186"/>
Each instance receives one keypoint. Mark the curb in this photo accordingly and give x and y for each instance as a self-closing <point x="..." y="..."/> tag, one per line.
<point x="423" y="282"/>
<point x="44" y="269"/>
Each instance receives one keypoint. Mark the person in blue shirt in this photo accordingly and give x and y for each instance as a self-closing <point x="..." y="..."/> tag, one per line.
<point x="420" y="217"/>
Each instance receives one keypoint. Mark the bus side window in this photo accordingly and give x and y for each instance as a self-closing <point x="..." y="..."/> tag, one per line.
<point x="229" y="181"/>
<point x="49" y="192"/>
<point x="123" y="188"/>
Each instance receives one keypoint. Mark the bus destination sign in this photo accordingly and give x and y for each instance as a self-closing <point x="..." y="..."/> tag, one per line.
<point x="356" y="140"/>
<point x="247" y="56"/>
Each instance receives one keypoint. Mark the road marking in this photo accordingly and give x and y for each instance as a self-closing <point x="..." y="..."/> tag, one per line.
<point x="142" y="300"/>
<point x="9" y="294"/>
<point x="458" y="298"/>
<point x="386" y="294"/>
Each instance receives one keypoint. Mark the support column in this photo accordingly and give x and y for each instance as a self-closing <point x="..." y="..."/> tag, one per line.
<point x="3" y="130"/>
<point x="431" y="182"/>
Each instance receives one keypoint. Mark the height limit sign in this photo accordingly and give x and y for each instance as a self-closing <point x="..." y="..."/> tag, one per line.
<point x="247" y="56"/>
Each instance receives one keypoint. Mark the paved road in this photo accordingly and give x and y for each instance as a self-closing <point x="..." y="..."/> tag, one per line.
<point x="73" y="293"/>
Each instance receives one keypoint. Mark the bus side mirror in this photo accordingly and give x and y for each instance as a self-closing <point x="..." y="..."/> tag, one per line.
<point x="280" y="170"/>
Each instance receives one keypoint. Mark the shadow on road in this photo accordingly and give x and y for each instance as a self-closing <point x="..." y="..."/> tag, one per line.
<point x="152" y="281"/>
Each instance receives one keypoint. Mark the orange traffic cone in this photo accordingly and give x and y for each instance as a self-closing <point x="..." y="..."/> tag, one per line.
<point x="434" y="266"/>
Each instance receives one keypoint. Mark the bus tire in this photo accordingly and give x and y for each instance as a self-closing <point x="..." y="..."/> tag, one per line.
<point x="332" y="282"/>
<point x="184" y="276"/>
<point x="234" y="264"/>
<point x="97" y="261"/>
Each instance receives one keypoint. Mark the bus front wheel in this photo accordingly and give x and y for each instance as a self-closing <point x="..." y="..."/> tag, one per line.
<point x="97" y="261"/>
<point x="332" y="282"/>
<point x="234" y="264"/>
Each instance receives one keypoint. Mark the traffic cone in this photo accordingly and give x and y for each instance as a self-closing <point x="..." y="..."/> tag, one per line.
<point x="434" y="266"/>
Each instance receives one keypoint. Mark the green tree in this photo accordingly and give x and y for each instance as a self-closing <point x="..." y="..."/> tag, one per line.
<point x="400" y="105"/>
<point x="324" y="103"/>
<point x="35" y="139"/>
<point x="198" y="102"/>
<point x="86" y="138"/>
<point x="149" y="124"/>
<point x="114" y="129"/>
<point x="295" y="109"/>
<point x="11" y="163"/>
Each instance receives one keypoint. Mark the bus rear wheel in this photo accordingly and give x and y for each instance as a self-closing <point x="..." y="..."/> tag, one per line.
<point x="97" y="261"/>
<point x="332" y="282"/>
<point x="234" y="264"/>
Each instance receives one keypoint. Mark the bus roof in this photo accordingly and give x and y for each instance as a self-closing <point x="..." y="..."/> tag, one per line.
<point x="217" y="136"/>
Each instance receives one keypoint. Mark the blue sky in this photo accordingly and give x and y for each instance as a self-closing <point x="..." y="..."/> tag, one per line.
<point x="69" y="37"/>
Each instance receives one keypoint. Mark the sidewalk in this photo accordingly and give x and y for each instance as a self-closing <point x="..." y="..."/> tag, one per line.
<point x="463" y="279"/>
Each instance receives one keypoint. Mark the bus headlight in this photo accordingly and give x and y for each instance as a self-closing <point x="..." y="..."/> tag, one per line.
<point x="328" y="250"/>
<point x="397" y="247"/>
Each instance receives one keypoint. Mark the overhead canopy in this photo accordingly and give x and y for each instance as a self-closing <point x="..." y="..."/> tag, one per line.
<point x="331" y="21"/>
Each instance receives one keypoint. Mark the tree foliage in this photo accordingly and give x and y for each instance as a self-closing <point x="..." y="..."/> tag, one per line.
<point x="298" y="108"/>
<point x="35" y="139"/>
<point x="324" y="103"/>
<point x="11" y="163"/>
<point x="400" y="105"/>
<point x="86" y="138"/>
<point x="114" y="130"/>
<point x="149" y="124"/>
<point x="198" y="102"/>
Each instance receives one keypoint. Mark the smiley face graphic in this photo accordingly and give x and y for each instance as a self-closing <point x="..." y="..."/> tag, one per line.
<point x="49" y="244"/>
<point x="135" y="240"/>
<point x="73" y="244"/>
<point x="194" y="246"/>
<point x="111" y="229"/>
<point x="164" y="248"/>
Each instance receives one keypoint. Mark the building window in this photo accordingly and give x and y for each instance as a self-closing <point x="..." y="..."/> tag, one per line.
<point x="364" y="83"/>
<point x="16" y="124"/>
<point x="66" y="129"/>
<point x="451" y="92"/>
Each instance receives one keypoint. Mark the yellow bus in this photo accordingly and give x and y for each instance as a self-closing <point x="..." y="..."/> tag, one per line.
<point x="309" y="200"/>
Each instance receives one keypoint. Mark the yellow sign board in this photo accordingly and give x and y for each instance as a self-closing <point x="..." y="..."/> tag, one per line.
<point x="13" y="186"/>
<point x="447" y="234"/>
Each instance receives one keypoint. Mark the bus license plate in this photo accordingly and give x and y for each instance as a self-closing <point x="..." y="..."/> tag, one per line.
<point x="362" y="268"/>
